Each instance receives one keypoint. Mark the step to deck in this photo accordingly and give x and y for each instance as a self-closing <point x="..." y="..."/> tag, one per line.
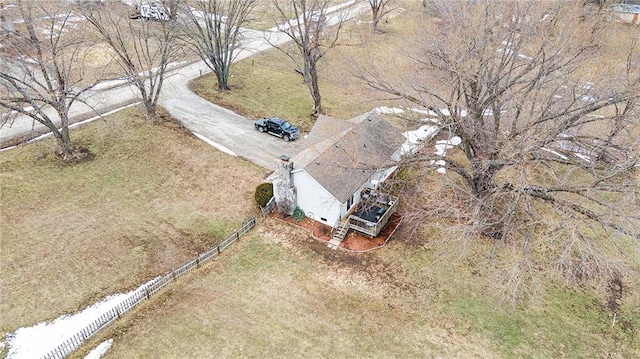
<point x="334" y="244"/>
<point x="338" y="236"/>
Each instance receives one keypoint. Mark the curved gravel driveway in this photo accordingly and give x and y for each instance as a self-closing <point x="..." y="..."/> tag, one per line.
<point x="221" y="127"/>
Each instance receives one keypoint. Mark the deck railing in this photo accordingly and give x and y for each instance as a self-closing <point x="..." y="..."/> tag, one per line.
<point x="373" y="228"/>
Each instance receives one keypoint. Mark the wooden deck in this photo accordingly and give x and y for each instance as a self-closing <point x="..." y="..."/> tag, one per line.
<point x="373" y="213"/>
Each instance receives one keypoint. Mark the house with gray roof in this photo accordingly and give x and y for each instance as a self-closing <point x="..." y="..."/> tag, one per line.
<point x="336" y="178"/>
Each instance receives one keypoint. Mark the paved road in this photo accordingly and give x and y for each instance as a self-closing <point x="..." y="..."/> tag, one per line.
<point x="224" y="129"/>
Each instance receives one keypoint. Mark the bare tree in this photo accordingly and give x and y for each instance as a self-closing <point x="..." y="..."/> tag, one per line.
<point x="313" y="32"/>
<point x="548" y="128"/>
<point x="43" y="68"/>
<point x="172" y="6"/>
<point x="215" y="32"/>
<point x="142" y="49"/>
<point x="379" y="8"/>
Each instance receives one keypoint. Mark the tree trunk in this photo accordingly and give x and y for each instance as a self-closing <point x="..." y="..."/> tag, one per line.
<point x="151" y="110"/>
<point x="314" y="89"/>
<point x="488" y="218"/>
<point x="222" y="77"/>
<point x="375" y="19"/>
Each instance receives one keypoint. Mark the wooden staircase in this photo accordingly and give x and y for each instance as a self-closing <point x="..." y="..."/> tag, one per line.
<point x="338" y="235"/>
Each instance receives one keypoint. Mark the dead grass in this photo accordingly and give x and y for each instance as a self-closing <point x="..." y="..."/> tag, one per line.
<point x="152" y="197"/>
<point x="267" y="85"/>
<point x="279" y="293"/>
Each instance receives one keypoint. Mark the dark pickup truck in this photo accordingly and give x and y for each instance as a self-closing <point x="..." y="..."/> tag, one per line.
<point x="278" y="127"/>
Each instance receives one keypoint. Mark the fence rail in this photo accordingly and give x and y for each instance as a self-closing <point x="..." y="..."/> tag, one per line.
<point x="143" y="293"/>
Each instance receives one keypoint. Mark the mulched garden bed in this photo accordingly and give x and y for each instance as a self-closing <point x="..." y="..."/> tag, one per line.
<point x="354" y="241"/>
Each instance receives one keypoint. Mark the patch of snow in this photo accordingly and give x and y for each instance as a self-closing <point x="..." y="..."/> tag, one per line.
<point x="506" y="51"/>
<point x="587" y="98"/>
<point x="555" y="153"/>
<point x="424" y="112"/>
<point x="564" y="135"/>
<point x="216" y="145"/>
<point x="441" y="149"/>
<point x="416" y="138"/>
<point x="582" y="157"/>
<point x="526" y="57"/>
<point x="455" y="140"/>
<point x="388" y="110"/>
<point x="445" y="112"/>
<point x="2" y="150"/>
<point x="97" y="352"/>
<point x="421" y="134"/>
<point x="38" y="340"/>
<point x="108" y="84"/>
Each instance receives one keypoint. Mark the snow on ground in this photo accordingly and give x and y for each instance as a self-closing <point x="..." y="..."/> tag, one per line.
<point x="583" y="157"/>
<point x="417" y="137"/>
<point x="388" y="110"/>
<point x="441" y="150"/>
<point x="38" y="340"/>
<point x="216" y="145"/>
<point x="442" y="147"/>
<point x="425" y="112"/>
<point x="555" y="153"/>
<point x="98" y="351"/>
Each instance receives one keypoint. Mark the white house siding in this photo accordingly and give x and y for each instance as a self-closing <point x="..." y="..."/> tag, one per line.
<point x="314" y="200"/>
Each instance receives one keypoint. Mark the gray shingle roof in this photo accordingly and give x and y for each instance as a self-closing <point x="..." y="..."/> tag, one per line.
<point x="343" y="162"/>
<point x="326" y="127"/>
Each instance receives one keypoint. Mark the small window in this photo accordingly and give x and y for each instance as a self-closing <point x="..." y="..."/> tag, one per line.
<point x="323" y="219"/>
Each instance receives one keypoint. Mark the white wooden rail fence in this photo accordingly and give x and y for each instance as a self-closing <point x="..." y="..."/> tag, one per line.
<point x="71" y="344"/>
